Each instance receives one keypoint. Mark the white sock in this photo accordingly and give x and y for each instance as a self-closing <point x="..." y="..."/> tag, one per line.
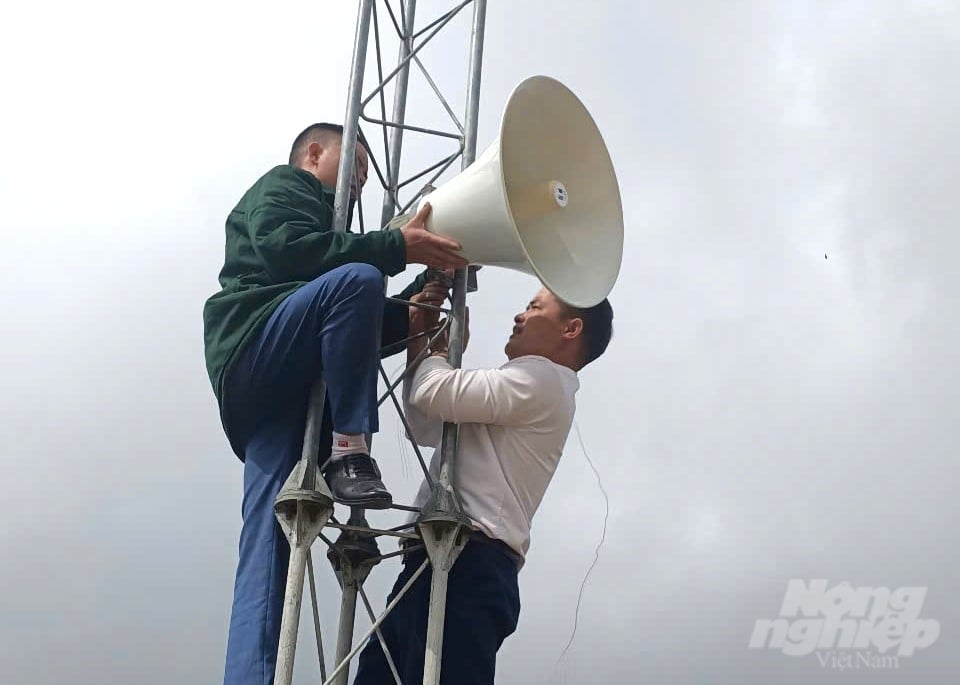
<point x="348" y="444"/>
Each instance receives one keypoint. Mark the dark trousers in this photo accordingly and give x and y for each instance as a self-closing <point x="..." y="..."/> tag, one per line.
<point x="329" y="328"/>
<point x="483" y="606"/>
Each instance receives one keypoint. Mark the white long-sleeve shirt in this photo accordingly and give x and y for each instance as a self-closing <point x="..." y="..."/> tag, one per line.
<point x="514" y="422"/>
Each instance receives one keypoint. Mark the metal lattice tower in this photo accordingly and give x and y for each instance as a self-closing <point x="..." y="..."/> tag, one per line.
<point x="304" y="506"/>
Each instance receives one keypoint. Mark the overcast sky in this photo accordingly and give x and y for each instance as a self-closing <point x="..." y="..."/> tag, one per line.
<point x="764" y="413"/>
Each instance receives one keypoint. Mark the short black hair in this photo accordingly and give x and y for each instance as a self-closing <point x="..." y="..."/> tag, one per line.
<point x="597" y="328"/>
<point x="314" y="132"/>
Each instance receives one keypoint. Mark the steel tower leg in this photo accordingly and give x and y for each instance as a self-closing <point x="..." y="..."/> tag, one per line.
<point x="305" y="505"/>
<point x="442" y="523"/>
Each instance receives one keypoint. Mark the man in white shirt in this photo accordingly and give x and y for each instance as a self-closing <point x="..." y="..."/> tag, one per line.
<point x="514" y="421"/>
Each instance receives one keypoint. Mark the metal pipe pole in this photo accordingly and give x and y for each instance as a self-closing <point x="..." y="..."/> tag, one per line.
<point x="436" y="617"/>
<point x="301" y="513"/>
<point x="443" y="538"/>
<point x="348" y="612"/>
<point x="443" y="541"/>
<point x="455" y="352"/>
<point x="301" y="510"/>
<point x="376" y="624"/>
<point x="316" y="617"/>
<point x="351" y="120"/>
<point x="302" y="507"/>
<point x="473" y="84"/>
<point x="311" y="433"/>
<point x="390" y="206"/>
<point x="291" y="613"/>
<point x="341" y="203"/>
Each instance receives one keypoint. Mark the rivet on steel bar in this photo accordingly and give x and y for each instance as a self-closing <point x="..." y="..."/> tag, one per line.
<point x="442" y="523"/>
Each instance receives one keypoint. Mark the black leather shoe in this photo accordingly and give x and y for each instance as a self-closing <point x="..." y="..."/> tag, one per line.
<point x="355" y="481"/>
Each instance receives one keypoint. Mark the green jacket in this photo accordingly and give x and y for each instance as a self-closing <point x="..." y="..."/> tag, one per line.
<point x="279" y="237"/>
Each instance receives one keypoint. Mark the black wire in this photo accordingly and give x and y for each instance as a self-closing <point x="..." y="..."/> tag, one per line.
<point x="596" y="553"/>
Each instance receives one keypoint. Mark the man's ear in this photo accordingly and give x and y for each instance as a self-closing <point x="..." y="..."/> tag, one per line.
<point x="314" y="150"/>
<point x="573" y="328"/>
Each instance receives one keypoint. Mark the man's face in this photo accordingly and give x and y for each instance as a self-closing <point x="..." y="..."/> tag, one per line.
<point x="325" y="165"/>
<point x="538" y="330"/>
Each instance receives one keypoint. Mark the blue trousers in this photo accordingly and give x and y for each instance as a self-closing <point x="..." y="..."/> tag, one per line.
<point x="483" y="606"/>
<point x="329" y="328"/>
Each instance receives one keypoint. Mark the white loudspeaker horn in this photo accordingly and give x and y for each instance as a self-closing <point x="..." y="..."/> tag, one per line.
<point x="542" y="199"/>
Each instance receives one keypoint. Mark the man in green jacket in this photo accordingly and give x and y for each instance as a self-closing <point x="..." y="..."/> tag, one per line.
<point x="300" y="302"/>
